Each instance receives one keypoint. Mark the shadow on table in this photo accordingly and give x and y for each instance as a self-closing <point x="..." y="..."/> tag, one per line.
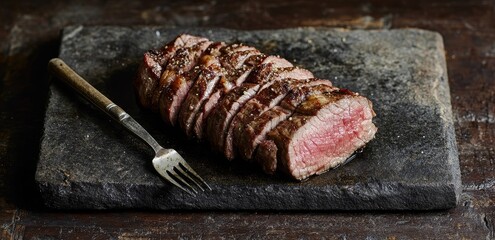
<point x="25" y="105"/>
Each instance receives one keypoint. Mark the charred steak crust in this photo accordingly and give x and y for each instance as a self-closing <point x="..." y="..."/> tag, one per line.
<point x="149" y="70"/>
<point x="174" y="95"/>
<point x="211" y="73"/>
<point x="263" y="76"/>
<point x="219" y="122"/>
<point x="254" y="107"/>
<point x="232" y="60"/>
<point x="183" y="61"/>
<point x="265" y="114"/>
<point x="153" y="64"/>
<point x="343" y="116"/>
<point x="221" y="117"/>
<point x="269" y="96"/>
<point x="266" y="152"/>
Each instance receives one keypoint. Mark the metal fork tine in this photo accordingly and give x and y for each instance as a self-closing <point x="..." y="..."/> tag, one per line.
<point x="171" y="180"/>
<point x="188" y="176"/>
<point x="189" y="168"/>
<point x="173" y="173"/>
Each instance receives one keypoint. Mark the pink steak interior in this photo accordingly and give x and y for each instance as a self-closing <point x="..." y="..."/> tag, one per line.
<point x="331" y="137"/>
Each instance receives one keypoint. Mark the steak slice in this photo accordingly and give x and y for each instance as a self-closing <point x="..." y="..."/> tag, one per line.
<point x="149" y="73"/>
<point x="183" y="61"/>
<point x="256" y="130"/>
<point x="270" y="95"/>
<point x="323" y="132"/>
<point x="237" y="65"/>
<point x="234" y="56"/>
<point x="173" y="96"/>
<point x="263" y="72"/>
<point x="211" y="73"/>
<point x="260" y="114"/>
<point x="220" y="118"/>
<point x="266" y="152"/>
<point x="151" y="68"/>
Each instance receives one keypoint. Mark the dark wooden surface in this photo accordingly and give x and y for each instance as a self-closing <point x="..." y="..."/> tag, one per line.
<point x="29" y="38"/>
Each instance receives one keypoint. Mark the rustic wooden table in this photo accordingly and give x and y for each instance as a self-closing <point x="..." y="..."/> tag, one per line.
<point x="29" y="38"/>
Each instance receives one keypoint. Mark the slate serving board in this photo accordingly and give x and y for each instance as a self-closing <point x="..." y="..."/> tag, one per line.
<point x="89" y="162"/>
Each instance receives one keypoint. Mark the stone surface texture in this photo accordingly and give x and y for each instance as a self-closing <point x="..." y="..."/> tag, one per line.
<point x="89" y="162"/>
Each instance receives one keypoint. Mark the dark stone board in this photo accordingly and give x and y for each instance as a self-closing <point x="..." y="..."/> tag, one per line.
<point x="89" y="162"/>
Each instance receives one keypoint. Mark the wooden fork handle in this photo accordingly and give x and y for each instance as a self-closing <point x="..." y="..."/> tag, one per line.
<point x="63" y="72"/>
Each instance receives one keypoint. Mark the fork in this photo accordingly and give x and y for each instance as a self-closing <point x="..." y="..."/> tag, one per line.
<point x="167" y="162"/>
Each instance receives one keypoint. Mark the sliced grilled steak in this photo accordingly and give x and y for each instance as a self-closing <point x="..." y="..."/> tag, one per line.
<point x="214" y="75"/>
<point x="322" y="133"/>
<point x="234" y="56"/>
<point x="237" y="64"/>
<point x="257" y="107"/>
<point x="153" y="64"/>
<point x="148" y="73"/>
<point x="173" y="96"/>
<point x="270" y="95"/>
<point x="260" y="114"/>
<point x="221" y="117"/>
<point x="211" y="73"/>
<point x="263" y="72"/>
<point x="183" y="61"/>
<point x="266" y="152"/>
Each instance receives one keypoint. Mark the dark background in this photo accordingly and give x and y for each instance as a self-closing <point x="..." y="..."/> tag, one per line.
<point x="29" y="37"/>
